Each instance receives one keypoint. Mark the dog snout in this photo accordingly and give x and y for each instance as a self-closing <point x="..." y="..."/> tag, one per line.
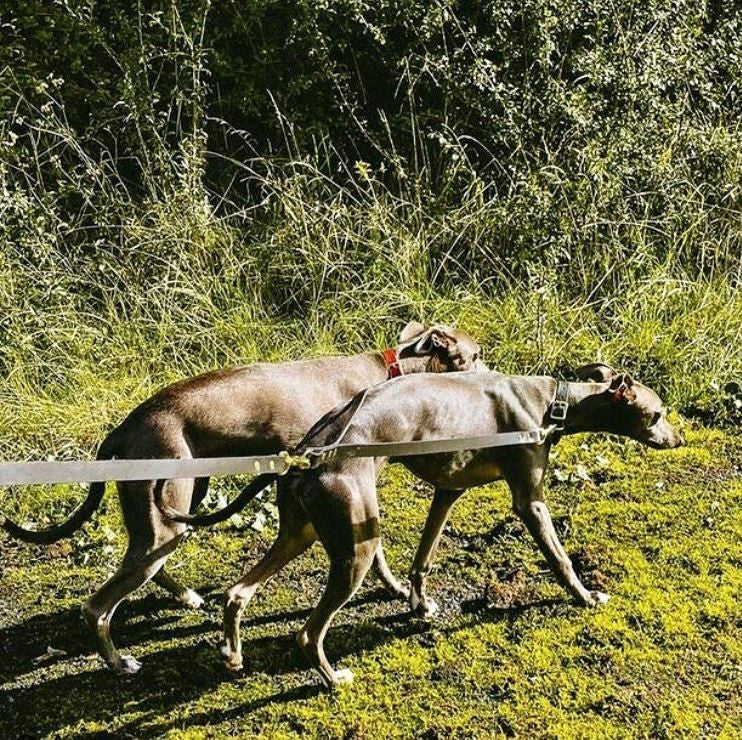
<point x="666" y="438"/>
<point x="673" y="440"/>
<point x="675" y="436"/>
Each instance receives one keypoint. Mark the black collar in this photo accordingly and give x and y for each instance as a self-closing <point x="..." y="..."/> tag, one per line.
<point x="560" y="405"/>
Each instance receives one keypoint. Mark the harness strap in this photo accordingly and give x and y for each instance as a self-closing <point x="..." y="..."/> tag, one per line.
<point x="391" y="360"/>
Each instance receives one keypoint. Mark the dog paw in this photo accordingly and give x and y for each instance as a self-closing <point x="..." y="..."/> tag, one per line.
<point x="191" y="599"/>
<point x="128" y="666"/>
<point x="424" y="608"/>
<point x="595" y="598"/>
<point x="341" y="677"/>
<point x="232" y="661"/>
<point x="400" y="592"/>
<point x="233" y="665"/>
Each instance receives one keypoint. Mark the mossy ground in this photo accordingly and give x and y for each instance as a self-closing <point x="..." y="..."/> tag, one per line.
<point x="509" y="654"/>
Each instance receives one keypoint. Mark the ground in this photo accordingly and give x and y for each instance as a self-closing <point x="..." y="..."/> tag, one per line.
<point x="508" y="654"/>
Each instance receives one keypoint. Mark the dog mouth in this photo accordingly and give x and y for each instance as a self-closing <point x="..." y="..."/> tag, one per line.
<point x="664" y="444"/>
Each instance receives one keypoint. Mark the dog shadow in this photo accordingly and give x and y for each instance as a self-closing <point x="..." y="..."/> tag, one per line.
<point x="92" y="694"/>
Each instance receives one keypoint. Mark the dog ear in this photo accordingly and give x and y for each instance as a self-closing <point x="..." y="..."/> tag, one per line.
<point x="621" y="389"/>
<point x="596" y="372"/>
<point x="434" y="338"/>
<point x="437" y="337"/>
<point x="412" y="329"/>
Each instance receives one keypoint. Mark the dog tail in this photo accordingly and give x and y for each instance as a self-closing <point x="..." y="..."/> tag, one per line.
<point x="248" y="493"/>
<point x="78" y="518"/>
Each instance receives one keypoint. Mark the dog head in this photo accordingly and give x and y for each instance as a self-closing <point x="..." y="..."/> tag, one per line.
<point x="626" y="407"/>
<point x="446" y="348"/>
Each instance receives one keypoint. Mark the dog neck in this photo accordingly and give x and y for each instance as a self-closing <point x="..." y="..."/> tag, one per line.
<point x="392" y="362"/>
<point x="406" y="365"/>
<point x="577" y="394"/>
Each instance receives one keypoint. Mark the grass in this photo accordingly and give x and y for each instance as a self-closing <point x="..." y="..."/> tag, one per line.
<point x="109" y="289"/>
<point x="509" y="655"/>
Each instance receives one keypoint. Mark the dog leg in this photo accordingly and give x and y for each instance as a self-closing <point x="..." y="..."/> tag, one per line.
<point x="287" y="547"/>
<point x="345" y="515"/>
<point x="534" y="513"/>
<point x="391" y="584"/>
<point x="186" y="596"/>
<point x="99" y="609"/>
<point x="346" y="575"/>
<point x="149" y="548"/>
<point x="295" y="535"/>
<point x="443" y="500"/>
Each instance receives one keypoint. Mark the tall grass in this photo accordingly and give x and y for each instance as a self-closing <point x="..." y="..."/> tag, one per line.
<point x="113" y="284"/>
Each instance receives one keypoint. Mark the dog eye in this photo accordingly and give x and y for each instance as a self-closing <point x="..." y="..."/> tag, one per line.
<point x="657" y="416"/>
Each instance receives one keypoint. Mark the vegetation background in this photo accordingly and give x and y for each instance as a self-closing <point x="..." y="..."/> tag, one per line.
<point x="189" y="185"/>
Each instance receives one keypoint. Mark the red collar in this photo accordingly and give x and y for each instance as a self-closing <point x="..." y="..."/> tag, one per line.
<point x="393" y="368"/>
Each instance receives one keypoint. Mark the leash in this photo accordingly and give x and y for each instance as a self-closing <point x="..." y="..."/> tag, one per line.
<point x="320" y="455"/>
<point x="28" y="473"/>
<point x="33" y="473"/>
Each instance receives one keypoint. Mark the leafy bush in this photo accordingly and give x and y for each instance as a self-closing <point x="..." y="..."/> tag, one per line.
<point x="198" y="185"/>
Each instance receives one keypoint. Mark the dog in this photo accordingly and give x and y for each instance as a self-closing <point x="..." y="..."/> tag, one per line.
<point x="258" y="409"/>
<point x="336" y="502"/>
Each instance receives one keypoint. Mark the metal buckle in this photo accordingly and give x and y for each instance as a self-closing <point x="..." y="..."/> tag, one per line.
<point x="302" y="462"/>
<point x="559" y="410"/>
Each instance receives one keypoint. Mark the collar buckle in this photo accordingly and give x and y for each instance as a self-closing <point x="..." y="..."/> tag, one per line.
<point x="559" y="410"/>
<point x="560" y="405"/>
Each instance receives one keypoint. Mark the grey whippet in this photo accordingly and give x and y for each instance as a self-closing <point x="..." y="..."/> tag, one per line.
<point x="258" y="409"/>
<point x="337" y="503"/>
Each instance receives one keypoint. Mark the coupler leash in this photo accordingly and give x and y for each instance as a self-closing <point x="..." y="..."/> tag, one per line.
<point x="320" y="455"/>
<point x="34" y="473"/>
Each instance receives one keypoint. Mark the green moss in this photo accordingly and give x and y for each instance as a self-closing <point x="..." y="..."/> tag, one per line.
<point x="509" y="653"/>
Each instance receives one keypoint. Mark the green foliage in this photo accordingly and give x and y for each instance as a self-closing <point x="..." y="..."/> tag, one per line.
<point x="604" y="131"/>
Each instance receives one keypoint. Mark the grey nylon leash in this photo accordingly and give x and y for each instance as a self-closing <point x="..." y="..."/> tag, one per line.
<point x="26" y="473"/>
<point x="31" y="473"/>
<point x="320" y="455"/>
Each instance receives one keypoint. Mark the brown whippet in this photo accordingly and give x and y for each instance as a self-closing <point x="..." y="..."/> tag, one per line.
<point x="337" y="504"/>
<point x="258" y="409"/>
